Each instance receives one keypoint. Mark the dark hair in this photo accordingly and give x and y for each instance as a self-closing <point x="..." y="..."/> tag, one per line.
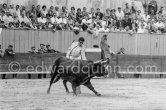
<point x="73" y="8"/>
<point x="79" y="9"/>
<point x="10" y="46"/>
<point x="44" y="6"/>
<point x="81" y="39"/>
<point x="47" y="45"/>
<point x="104" y="35"/>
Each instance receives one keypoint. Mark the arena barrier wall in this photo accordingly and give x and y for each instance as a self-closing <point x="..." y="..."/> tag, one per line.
<point x="134" y="44"/>
<point x="130" y="66"/>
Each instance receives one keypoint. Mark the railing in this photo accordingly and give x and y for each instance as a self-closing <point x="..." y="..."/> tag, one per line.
<point x="135" y="44"/>
<point x="128" y="65"/>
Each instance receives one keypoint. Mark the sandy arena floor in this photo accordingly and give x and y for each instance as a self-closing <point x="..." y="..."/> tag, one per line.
<point x="117" y="94"/>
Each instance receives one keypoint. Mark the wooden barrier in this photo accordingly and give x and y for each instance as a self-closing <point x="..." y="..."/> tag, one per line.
<point x="136" y="44"/>
<point x="128" y="65"/>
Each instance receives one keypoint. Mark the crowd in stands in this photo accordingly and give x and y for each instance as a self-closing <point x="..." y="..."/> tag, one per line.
<point x="55" y="18"/>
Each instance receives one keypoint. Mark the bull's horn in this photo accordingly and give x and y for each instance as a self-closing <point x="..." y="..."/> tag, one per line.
<point x="105" y="61"/>
<point x="95" y="62"/>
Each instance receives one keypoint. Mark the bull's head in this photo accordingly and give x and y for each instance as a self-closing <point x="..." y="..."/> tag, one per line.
<point x="99" y="67"/>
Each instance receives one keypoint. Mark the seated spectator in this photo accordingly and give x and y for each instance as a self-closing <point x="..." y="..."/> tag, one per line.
<point x="49" y="50"/>
<point x="98" y="13"/>
<point x="24" y="19"/>
<point x="3" y="17"/>
<point x="62" y="22"/>
<point x="141" y="29"/>
<point x="79" y="16"/>
<point x="120" y="14"/>
<point x="5" y="8"/>
<point x="54" y="19"/>
<point x="17" y="12"/>
<point x="84" y="12"/>
<point x="38" y="11"/>
<point x="146" y="17"/>
<point x="64" y="11"/>
<point x="41" y="21"/>
<point x="105" y="29"/>
<point x="44" y="11"/>
<point x="15" y="18"/>
<point x="42" y="49"/>
<point x="8" y="18"/>
<point x="70" y="23"/>
<point x="1" y="51"/>
<point x="85" y="23"/>
<point x="72" y="14"/>
<point x="92" y="13"/>
<point x="9" y="51"/>
<point x="121" y="51"/>
<point x="127" y="10"/>
<point x="12" y="10"/>
<point x="108" y="13"/>
<point x="33" y="50"/>
<point x="97" y="30"/>
<point x="57" y="10"/>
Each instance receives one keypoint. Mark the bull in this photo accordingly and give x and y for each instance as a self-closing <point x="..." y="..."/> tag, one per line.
<point x="77" y="72"/>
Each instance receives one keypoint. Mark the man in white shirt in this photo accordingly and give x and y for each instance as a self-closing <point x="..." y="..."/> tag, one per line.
<point x="24" y="19"/>
<point x="54" y="19"/>
<point x="141" y="29"/>
<point x="62" y="20"/>
<point x="160" y="24"/>
<point x="8" y="18"/>
<point x="77" y="52"/>
<point x="146" y="17"/>
<point x="119" y="14"/>
<point x="42" y="19"/>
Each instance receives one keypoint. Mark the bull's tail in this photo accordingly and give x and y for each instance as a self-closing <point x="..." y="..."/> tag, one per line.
<point x="54" y="74"/>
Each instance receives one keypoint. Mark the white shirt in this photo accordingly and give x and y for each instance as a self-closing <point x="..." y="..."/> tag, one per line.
<point x="76" y="52"/>
<point x="103" y="23"/>
<point x="145" y="17"/>
<point x="105" y="30"/>
<point x="53" y="20"/>
<point x="120" y="15"/>
<point x="25" y="19"/>
<point x="44" y="12"/>
<point x="62" y="20"/>
<point x="42" y="20"/>
<point x="160" y="25"/>
<point x="84" y="21"/>
<point x="140" y="30"/>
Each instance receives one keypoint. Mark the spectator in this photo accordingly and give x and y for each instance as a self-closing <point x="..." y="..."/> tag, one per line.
<point x="38" y="11"/>
<point x="98" y="13"/>
<point x="57" y="11"/>
<point x="84" y="13"/>
<point x="121" y="51"/>
<point x="11" y="9"/>
<point x="9" y="51"/>
<point x="85" y="23"/>
<point x="33" y="50"/>
<point x="41" y="21"/>
<point x="127" y="10"/>
<point x="92" y="13"/>
<point x="119" y="14"/>
<point x="79" y="16"/>
<point x="44" y="11"/>
<point x="49" y="50"/>
<point x="42" y="49"/>
<point x="72" y="13"/>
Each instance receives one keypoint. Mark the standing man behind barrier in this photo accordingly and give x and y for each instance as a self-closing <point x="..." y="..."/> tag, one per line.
<point x="77" y="52"/>
<point x="106" y="53"/>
